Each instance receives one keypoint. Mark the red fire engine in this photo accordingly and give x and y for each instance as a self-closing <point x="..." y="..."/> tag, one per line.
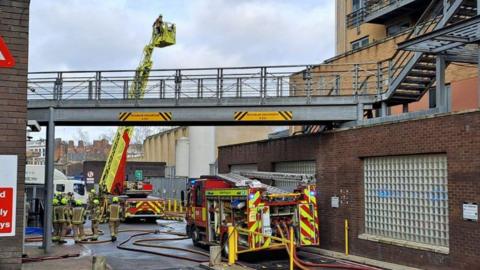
<point x="216" y="202"/>
<point x="137" y="202"/>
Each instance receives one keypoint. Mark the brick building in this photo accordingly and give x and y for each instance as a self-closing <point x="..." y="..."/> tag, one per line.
<point x="69" y="157"/>
<point x="401" y="185"/>
<point x="14" y="17"/>
<point x="369" y="31"/>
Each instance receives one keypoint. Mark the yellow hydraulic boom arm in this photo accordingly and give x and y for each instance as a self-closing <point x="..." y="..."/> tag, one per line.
<point x="113" y="176"/>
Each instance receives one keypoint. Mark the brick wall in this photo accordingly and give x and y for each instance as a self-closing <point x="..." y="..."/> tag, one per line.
<point x="339" y="168"/>
<point x="13" y="113"/>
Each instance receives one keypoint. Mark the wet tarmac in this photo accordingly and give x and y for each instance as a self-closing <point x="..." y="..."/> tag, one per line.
<point x="125" y="259"/>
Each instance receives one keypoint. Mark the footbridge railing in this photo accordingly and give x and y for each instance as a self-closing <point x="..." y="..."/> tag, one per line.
<point x="225" y="82"/>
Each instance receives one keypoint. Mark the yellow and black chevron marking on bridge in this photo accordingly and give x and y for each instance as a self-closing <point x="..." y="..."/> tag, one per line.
<point x="145" y="116"/>
<point x="263" y="116"/>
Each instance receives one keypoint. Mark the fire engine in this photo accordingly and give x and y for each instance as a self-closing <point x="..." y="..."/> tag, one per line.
<point x="138" y="204"/>
<point x="240" y="200"/>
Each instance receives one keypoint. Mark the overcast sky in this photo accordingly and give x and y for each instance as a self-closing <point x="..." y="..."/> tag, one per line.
<point x="110" y="34"/>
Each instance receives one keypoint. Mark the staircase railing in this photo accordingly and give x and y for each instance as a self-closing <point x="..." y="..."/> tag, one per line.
<point x="426" y="23"/>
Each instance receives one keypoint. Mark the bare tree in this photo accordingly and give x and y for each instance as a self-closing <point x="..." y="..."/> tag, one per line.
<point x="82" y="135"/>
<point x="108" y="135"/>
<point x="141" y="133"/>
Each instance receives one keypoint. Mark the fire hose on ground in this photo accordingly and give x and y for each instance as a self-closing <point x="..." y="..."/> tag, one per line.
<point x="141" y="243"/>
<point x="302" y="264"/>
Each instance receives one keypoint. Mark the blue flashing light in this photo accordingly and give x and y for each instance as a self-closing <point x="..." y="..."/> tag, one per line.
<point x="251" y="196"/>
<point x="312" y="193"/>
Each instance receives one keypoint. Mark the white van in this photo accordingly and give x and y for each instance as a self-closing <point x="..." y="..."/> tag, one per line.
<point x="35" y="175"/>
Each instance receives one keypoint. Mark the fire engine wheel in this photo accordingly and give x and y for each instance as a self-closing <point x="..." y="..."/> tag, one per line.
<point x="195" y="236"/>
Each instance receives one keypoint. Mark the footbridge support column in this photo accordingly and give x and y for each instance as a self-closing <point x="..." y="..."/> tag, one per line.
<point x="441" y="90"/>
<point x="48" y="193"/>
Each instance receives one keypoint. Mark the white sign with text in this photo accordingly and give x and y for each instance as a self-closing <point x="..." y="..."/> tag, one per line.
<point x="8" y="194"/>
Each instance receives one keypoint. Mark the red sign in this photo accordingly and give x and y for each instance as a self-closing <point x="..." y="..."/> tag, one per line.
<point x="6" y="210"/>
<point x="7" y="60"/>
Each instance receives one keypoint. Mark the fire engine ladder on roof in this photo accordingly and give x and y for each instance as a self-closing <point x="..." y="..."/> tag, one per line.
<point x="242" y="181"/>
<point x="278" y="176"/>
<point x="412" y="74"/>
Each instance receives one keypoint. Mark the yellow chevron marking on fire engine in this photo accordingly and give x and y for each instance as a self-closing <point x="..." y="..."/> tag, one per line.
<point x="263" y="116"/>
<point x="255" y="237"/>
<point x="204" y="214"/>
<point x="305" y="214"/>
<point x="252" y="201"/>
<point x="310" y="196"/>
<point x="307" y="233"/>
<point x="268" y="240"/>
<point x="154" y="206"/>
<point x="145" y="116"/>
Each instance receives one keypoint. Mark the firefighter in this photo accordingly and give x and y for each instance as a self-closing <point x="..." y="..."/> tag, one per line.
<point x="62" y="216"/>
<point x="78" y="219"/>
<point x="71" y="200"/>
<point x="158" y="25"/>
<point x="95" y="216"/>
<point x="56" y="226"/>
<point x="114" y="214"/>
<point x="92" y="195"/>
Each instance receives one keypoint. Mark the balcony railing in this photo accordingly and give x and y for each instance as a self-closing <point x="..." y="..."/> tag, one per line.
<point x="358" y="16"/>
<point x="372" y="6"/>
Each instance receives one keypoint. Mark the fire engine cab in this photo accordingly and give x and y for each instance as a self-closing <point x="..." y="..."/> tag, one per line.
<point x="240" y="200"/>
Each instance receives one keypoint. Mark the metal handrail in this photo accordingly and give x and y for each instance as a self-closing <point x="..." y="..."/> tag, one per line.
<point x="260" y="82"/>
<point x="416" y="30"/>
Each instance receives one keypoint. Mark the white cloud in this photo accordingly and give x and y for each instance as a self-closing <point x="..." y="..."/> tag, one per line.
<point x="110" y="34"/>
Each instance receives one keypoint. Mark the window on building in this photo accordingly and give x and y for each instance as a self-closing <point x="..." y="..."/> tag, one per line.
<point x="406" y="198"/>
<point x="357" y="4"/>
<point x="357" y="44"/>
<point x="394" y="29"/>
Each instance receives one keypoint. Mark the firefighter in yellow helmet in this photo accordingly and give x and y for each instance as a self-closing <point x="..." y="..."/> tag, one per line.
<point x="56" y="226"/>
<point x="95" y="216"/>
<point x="78" y="220"/>
<point x="92" y="195"/>
<point x="114" y="214"/>
<point x="62" y="217"/>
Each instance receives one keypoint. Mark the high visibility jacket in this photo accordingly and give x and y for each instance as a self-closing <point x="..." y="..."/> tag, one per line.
<point x="55" y="218"/>
<point x="61" y="213"/>
<point x="91" y="198"/>
<point x="78" y="215"/>
<point x="95" y="214"/>
<point x="115" y="211"/>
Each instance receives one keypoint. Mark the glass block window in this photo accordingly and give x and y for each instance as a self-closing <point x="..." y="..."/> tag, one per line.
<point x="406" y="198"/>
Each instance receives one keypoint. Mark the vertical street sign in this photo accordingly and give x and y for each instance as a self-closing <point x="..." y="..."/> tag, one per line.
<point x="8" y="194"/>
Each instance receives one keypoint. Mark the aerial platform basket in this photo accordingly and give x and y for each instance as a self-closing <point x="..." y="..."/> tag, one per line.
<point x="166" y="34"/>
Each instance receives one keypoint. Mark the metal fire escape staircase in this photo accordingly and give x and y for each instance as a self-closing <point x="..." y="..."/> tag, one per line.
<point x="412" y="74"/>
